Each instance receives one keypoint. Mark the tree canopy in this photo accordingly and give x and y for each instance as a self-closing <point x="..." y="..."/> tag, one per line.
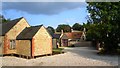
<point x="3" y="20"/>
<point x="50" y="30"/>
<point x="104" y="23"/>
<point x="77" y="26"/>
<point x="104" y="12"/>
<point x="64" y="27"/>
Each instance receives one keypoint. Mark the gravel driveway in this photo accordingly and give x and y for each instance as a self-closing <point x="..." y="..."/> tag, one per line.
<point x="77" y="56"/>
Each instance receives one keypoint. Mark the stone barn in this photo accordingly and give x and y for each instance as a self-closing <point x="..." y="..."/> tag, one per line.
<point x="71" y="38"/>
<point x="34" y="41"/>
<point x="9" y="32"/>
<point x="56" y="40"/>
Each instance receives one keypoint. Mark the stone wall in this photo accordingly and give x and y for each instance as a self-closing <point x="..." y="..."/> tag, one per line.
<point x="23" y="47"/>
<point x="1" y="44"/>
<point x="42" y="42"/>
<point x="54" y="43"/>
<point x="17" y="29"/>
<point x="12" y="34"/>
<point x="81" y="44"/>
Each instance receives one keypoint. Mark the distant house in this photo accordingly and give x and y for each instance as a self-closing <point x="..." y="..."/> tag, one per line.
<point x="71" y="38"/>
<point x="9" y="32"/>
<point x="56" y="40"/>
<point x="34" y="41"/>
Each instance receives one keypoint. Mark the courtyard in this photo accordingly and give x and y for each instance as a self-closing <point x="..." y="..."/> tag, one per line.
<point x="73" y="56"/>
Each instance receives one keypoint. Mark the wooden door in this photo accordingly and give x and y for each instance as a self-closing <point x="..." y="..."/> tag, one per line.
<point x="65" y="42"/>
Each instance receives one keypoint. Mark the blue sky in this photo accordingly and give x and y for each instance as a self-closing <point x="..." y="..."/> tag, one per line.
<point x="48" y="14"/>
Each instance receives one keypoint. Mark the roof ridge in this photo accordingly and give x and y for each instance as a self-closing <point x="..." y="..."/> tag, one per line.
<point x="17" y="19"/>
<point x="13" y="20"/>
<point x="37" y="25"/>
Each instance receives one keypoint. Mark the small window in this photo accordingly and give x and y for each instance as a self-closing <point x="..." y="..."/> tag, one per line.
<point x="12" y="44"/>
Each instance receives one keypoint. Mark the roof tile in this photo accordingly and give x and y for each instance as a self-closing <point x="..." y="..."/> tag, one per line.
<point x="8" y="25"/>
<point x="28" y="32"/>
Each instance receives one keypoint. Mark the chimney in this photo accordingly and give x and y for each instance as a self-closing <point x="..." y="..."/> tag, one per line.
<point x="62" y="32"/>
<point x="71" y="30"/>
<point x="84" y="30"/>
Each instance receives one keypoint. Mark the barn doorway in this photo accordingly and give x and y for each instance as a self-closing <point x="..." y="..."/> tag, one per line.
<point x="64" y="42"/>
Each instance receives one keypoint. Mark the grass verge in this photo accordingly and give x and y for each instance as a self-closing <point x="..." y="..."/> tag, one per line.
<point x="57" y="50"/>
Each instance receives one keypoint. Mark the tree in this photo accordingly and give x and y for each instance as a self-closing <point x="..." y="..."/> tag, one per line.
<point x="50" y="30"/>
<point x="105" y="17"/>
<point x="77" y="26"/>
<point x="3" y="20"/>
<point x="64" y="27"/>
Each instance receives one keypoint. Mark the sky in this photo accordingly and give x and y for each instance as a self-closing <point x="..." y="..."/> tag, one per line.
<point x="46" y="13"/>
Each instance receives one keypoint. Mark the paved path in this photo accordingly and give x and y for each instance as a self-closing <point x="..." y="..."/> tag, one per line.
<point x="77" y="56"/>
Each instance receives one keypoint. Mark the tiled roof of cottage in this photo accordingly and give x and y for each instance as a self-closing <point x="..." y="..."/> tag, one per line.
<point x="28" y="32"/>
<point x="74" y="35"/>
<point x="5" y="27"/>
<point x="57" y="36"/>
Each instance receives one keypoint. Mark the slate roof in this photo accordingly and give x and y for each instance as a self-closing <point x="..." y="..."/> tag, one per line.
<point x="5" y="27"/>
<point x="28" y="33"/>
<point x="74" y="35"/>
<point x="57" y="36"/>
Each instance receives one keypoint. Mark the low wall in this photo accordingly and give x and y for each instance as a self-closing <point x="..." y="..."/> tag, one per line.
<point x="81" y="44"/>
